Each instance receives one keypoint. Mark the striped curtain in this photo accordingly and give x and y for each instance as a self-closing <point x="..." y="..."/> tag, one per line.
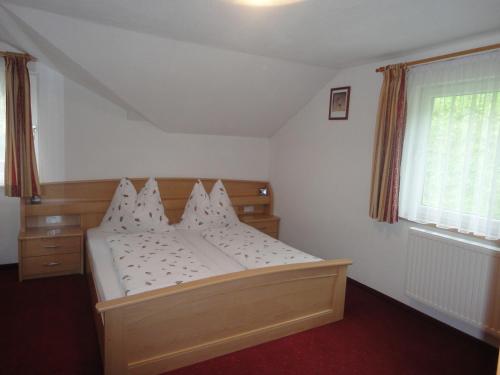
<point x="21" y="174"/>
<point x="388" y="145"/>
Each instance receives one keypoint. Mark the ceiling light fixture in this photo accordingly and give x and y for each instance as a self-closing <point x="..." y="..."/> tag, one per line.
<point x="265" y="3"/>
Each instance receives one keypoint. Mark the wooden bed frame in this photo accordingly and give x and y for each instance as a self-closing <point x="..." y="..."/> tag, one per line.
<point x="168" y="328"/>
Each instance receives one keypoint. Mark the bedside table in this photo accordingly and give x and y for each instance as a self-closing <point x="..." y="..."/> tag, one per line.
<point x="268" y="224"/>
<point x="45" y="252"/>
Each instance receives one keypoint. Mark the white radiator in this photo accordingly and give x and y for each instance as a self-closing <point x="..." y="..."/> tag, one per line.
<point x="458" y="277"/>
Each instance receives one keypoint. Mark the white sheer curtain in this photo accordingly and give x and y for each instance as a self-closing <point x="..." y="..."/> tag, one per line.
<point x="450" y="172"/>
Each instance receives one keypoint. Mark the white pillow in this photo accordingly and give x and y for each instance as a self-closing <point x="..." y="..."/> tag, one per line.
<point x="118" y="218"/>
<point x="222" y="208"/>
<point x="149" y="214"/>
<point x="197" y="213"/>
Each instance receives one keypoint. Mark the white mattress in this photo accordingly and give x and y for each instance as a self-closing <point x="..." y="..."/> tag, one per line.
<point x="211" y="256"/>
<point x="106" y="277"/>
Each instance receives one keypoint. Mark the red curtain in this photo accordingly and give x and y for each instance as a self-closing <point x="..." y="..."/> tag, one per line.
<point x="21" y="174"/>
<point x="388" y="145"/>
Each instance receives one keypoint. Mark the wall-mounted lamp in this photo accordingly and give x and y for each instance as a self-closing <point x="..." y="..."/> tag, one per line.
<point x="36" y="199"/>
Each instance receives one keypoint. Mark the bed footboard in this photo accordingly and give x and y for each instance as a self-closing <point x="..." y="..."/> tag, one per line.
<point x="168" y="328"/>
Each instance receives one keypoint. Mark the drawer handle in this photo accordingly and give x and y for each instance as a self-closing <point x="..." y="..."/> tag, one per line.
<point x="52" y="264"/>
<point x="50" y="246"/>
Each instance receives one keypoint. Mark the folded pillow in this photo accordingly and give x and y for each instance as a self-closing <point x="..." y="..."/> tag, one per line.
<point x="130" y="212"/>
<point x="149" y="213"/>
<point x="222" y="208"/>
<point x="118" y="217"/>
<point x="197" y="213"/>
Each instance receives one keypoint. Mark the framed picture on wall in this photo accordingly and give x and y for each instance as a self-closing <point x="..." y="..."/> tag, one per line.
<point x="339" y="103"/>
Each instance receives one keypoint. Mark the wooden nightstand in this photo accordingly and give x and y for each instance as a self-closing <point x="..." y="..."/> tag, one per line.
<point x="268" y="224"/>
<point x="45" y="252"/>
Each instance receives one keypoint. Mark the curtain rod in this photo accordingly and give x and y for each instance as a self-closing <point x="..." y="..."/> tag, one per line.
<point x="448" y="56"/>
<point x="8" y="53"/>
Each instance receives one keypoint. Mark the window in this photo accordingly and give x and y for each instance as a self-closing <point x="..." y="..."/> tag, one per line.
<point x="34" y="116"/>
<point x="450" y="115"/>
<point x="450" y="173"/>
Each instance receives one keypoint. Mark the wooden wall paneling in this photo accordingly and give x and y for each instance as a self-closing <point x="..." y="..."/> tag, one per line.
<point x="90" y="199"/>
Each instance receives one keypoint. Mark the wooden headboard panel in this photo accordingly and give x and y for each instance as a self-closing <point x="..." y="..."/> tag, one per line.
<point x="84" y="203"/>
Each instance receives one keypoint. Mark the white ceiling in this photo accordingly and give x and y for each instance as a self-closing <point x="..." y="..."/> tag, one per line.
<point x="330" y="33"/>
<point x="179" y="87"/>
<point x="213" y="67"/>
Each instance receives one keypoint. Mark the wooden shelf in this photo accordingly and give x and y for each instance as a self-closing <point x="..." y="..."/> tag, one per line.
<point x="50" y="207"/>
<point x="44" y="232"/>
<point x="257" y="218"/>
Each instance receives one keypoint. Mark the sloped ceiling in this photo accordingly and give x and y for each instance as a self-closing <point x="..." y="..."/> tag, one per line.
<point x="213" y="67"/>
<point x="330" y="33"/>
<point x="180" y="87"/>
<point x="22" y="37"/>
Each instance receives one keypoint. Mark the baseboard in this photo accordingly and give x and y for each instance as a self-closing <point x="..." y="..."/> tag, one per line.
<point x="415" y="311"/>
<point x="8" y="266"/>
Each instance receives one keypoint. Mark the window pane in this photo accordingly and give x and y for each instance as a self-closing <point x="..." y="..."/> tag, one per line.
<point x="462" y="125"/>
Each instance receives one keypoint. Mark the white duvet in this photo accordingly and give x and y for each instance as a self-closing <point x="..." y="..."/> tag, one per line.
<point x="147" y="261"/>
<point x="254" y="249"/>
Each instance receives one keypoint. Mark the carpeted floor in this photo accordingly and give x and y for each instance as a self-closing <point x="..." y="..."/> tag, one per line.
<point x="47" y="328"/>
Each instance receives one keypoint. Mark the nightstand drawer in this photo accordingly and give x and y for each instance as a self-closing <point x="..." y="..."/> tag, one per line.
<point x="270" y="226"/>
<point x="52" y="264"/>
<point x="51" y="246"/>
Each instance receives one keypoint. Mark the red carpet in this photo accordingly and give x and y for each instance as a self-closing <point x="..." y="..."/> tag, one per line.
<point x="47" y="328"/>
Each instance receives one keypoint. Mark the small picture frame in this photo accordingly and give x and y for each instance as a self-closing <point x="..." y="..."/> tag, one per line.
<point x="339" y="103"/>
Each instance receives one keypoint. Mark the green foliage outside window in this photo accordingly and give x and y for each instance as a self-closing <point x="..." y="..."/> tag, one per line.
<point x="462" y="141"/>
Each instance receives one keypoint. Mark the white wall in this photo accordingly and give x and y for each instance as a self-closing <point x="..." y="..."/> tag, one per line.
<point x="83" y="136"/>
<point x="9" y="227"/>
<point x="320" y="172"/>
<point x="101" y="143"/>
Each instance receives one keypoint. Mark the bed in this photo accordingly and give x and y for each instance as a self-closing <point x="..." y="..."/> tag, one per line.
<point x="163" y="329"/>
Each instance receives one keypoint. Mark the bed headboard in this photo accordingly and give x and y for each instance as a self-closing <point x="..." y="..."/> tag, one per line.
<point x="84" y="203"/>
